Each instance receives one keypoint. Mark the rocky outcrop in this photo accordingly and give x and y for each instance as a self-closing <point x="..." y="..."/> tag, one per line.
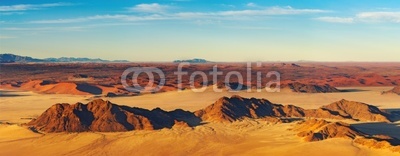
<point x="103" y="116"/>
<point x="317" y="130"/>
<point x="379" y="142"/>
<point x="237" y="108"/>
<point x="357" y="110"/>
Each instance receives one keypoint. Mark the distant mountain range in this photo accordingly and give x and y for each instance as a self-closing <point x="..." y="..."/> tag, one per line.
<point x="196" y="60"/>
<point x="11" y="58"/>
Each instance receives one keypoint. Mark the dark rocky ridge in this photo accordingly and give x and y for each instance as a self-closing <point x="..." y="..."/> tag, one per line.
<point x="317" y="130"/>
<point x="236" y="108"/>
<point x="103" y="116"/>
<point x="11" y="58"/>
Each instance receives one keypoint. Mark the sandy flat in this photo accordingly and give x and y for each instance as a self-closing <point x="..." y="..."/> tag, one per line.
<point x="240" y="138"/>
<point x="12" y="109"/>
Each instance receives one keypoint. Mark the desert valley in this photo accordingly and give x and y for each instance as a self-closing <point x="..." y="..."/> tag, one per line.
<point x="200" y="77"/>
<point x="82" y="109"/>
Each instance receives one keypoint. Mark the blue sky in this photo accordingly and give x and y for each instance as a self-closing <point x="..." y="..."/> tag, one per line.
<point x="217" y="30"/>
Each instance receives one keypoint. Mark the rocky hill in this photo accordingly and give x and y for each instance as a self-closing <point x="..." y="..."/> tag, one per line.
<point x="196" y="60"/>
<point x="236" y="108"/>
<point x="358" y="111"/>
<point x="11" y="58"/>
<point x="317" y="130"/>
<point x="103" y="116"/>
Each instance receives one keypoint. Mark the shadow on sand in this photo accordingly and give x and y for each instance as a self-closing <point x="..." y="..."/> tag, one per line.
<point x="394" y="114"/>
<point x="376" y="128"/>
<point x="352" y="90"/>
<point x="6" y="93"/>
<point x="89" y="88"/>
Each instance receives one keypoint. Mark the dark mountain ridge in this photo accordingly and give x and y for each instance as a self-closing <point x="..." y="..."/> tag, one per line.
<point x="11" y="58"/>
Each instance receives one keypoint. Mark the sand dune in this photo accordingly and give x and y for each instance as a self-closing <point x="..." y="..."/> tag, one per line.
<point x="214" y="138"/>
<point x="311" y="88"/>
<point x="72" y="88"/>
<point x="395" y="90"/>
<point x="317" y="130"/>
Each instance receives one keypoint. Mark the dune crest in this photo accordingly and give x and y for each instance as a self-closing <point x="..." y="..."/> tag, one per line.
<point x="395" y="90"/>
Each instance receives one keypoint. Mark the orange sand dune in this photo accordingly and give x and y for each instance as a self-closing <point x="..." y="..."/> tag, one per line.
<point x="72" y="88"/>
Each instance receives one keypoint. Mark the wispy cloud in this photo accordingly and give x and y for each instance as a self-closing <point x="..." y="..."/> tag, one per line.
<point x="251" y="13"/>
<point x="251" y="4"/>
<point x="7" y="37"/>
<point x="103" y="17"/>
<point x="365" y="17"/>
<point x="379" y="17"/>
<point x="11" y="13"/>
<point x="35" y="29"/>
<point x="180" y="0"/>
<point x="228" y="5"/>
<point x="250" y="28"/>
<point x="221" y="15"/>
<point x="335" y="19"/>
<point x="150" y="8"/>
<point x="271" y="11"/>
<point x="25" y="7"/>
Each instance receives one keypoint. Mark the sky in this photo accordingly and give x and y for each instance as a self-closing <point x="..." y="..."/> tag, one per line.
<point x="216" y="30"/>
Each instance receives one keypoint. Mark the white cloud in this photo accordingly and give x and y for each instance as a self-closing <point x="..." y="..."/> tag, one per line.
<point x="251" y="4"/>
<point x="222" y="15"/>
<point x="74" y="28"/>
<point x="228" y="5"/>
<point x="270" y="11"/>
<point x="335" y="19"/>
<point x="102" y="17"/>
<point x="367" y="17"/>
<point x="25" y="7"/>
<point x="379" y="16"/>
<point x="259" y="12"/>
<point x="250" y="28"/>
<point x="11" y="13"/>
<point x="150" y="8"/>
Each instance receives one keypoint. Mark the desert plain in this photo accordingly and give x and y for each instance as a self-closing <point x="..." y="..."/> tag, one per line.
<point x="30" y="90"/>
